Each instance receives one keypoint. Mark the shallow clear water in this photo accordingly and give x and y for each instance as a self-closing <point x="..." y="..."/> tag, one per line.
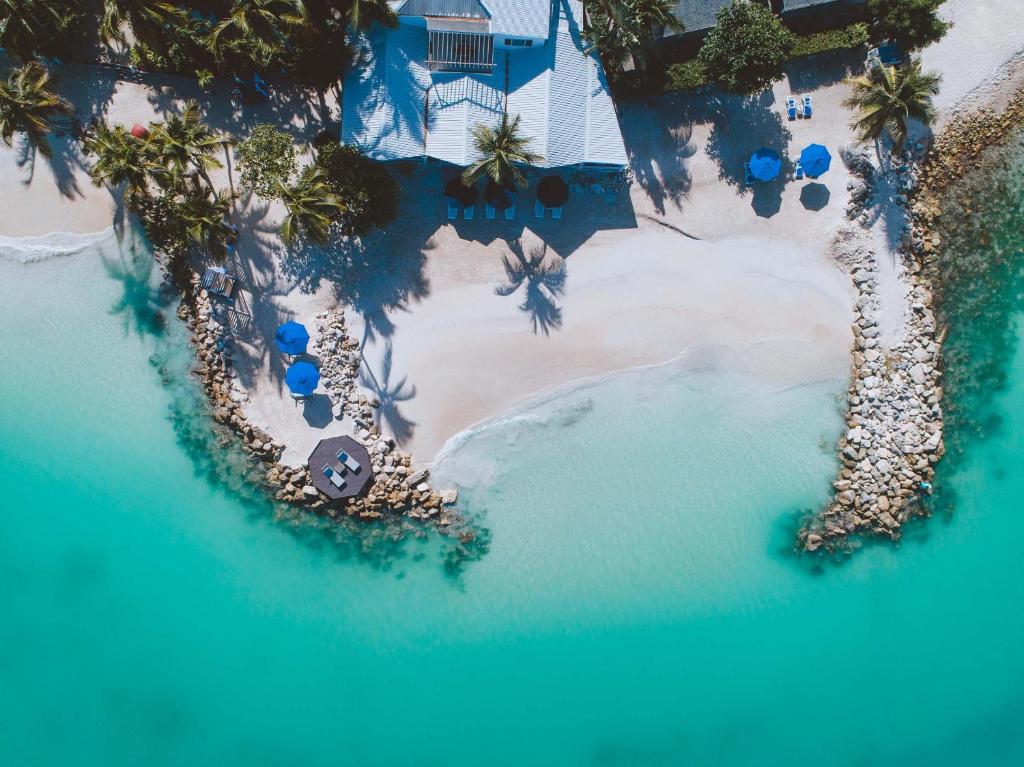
<point x="150" y="616"/>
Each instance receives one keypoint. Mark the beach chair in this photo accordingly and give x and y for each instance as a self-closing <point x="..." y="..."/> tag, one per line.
<point x="510" y="212"/>
<point x="335" y="477"/>
<point x="799" y="172"/>
<point x="748" y="176"/>
<point x="556" y="213"/>
<point x="808" y="107"/>
<point x="538" y="209"/>
<point x="453" y="211"/>
<point x="468" y="212"/>
<point x="791" y="108"/>
<point x="489" y="211"/>
<point x="353" y="465"/>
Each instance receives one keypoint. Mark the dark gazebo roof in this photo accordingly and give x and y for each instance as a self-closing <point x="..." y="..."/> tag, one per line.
<point x="326" y="454"/>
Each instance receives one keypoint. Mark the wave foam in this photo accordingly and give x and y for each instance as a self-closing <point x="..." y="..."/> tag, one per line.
<point x="55" y="245"/>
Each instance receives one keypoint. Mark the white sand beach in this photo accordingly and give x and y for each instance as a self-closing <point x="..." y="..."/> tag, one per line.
<point x="690" y="262"/>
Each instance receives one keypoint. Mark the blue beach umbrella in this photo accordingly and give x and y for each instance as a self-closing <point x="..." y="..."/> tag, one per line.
<point x="302" y="378"/>
<point x="815" y="160"/>
<point x="291" y="338"/>
<point x="765" y="164"/>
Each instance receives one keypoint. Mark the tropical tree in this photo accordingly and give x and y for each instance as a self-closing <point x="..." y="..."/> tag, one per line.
<point x="365" y="187"/>
<point x="186" y="146"/>
<point x="27" y="105"/>
<point x="312" y="206"/>
<point x="888" y="97"/>
<point x="628" y="29"/>
<point x="255" y="30"/>
<point x="747" y="48"/>
<point x="911" y="24"/>
<point x="264" y="158"/>
<point x="120" y="159"/>
<point x="204" y="216"/>
<point x="360" y="15"/>
<point x="147" y="20"/>
<point x="27" y="26"/>
<point x="504" y="149"/>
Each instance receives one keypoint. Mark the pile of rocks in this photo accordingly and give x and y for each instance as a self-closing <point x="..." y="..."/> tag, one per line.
<point x="894" y="418"/>
<point x="340" y="359"/>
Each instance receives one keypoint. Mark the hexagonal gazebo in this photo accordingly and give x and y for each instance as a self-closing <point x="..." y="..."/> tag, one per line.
<point x="326" y="454"/>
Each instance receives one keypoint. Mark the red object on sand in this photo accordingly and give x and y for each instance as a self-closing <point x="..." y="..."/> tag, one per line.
<point x="140" y="131"/>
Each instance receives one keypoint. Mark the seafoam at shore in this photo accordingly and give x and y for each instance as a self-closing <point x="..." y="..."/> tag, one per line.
<point x="54" y="245"/>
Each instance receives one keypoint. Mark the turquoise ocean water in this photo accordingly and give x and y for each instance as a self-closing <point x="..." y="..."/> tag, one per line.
<point x="150" y="616"/>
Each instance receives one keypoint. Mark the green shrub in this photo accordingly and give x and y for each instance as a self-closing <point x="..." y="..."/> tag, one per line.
<point x="686" y="75"/>
<point x="852" y="36"/>
<point x="265" y="158"/>
<point x="365" y="187"/>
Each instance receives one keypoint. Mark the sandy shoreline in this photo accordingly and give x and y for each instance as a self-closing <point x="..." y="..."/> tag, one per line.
<point x="688" y="261"/>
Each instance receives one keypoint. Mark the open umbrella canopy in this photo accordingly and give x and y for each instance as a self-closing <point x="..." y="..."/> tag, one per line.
<point x="458" y="191"/>
<point x="499" y="197"/>
<point x="291" y="338"/>
<point x="302" y="378"/>
<point x="815" y="160"/>
<point x="552" y="192"/>
<point x="765" y="164"/>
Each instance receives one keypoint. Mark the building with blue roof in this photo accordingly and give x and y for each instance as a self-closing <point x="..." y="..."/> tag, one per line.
<point x="417" y="92"/>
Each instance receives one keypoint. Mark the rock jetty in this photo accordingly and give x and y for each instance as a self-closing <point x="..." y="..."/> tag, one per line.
<point x="894" y="421"/>
<point x="398" y="490"/>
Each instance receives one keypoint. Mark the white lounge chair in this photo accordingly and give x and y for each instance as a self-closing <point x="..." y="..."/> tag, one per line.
<point x="453" y="211"/>
<point x="335" y="477"/>
<point x="510" y="212"/>
<point x="556" y="213"/>
<point x="489" y="211"/>
<point x="467" y="212"/>
<point x="538" y="209"/>
<point x="353" y="465"/>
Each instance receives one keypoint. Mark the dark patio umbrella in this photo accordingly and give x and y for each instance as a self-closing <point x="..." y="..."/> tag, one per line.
<point x="815" y="160"/>
<point x="552" y="192"/>
<point x="462" y="194"/>
<point x="302" y="378"/>
<point x="765" y="164"/>
<point x="814" y="196"/>
<point x="292" y="338"/>
<point x="500" y="197"/>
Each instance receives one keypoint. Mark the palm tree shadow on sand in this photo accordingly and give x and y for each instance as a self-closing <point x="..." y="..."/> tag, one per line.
<point x="391" y="395"/>
<point x="544" y="284"/>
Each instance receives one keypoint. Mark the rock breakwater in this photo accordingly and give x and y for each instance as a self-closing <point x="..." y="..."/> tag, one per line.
<point x="894" y="414"/>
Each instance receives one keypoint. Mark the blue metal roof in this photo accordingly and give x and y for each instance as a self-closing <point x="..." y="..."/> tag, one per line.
<point x="698" y="14"/>
<point x="454" y="9"/>
<point x="559" y="91"/>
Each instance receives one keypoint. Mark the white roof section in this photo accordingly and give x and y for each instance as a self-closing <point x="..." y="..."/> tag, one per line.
<point x="520" y="18"/>
<point x="559" y="91"/>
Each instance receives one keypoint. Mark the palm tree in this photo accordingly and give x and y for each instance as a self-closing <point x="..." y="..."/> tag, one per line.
<point x="503" y="150"/>
<point x="622" y="29"/>
<point x="186" y="146"/>
<point x="888" y="97"/>
<point x="27" y="105"/>
<point x="255" y="25"/>
<point x="25" y="24"/>
<point x="121" y="159"/>
<point x="362" y="14"/>
<point x="204" y="216"/>
<point x="147" y="20"/>
<point x="312" y="207"/>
